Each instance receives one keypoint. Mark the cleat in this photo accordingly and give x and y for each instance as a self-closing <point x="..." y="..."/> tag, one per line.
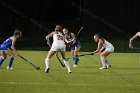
<point x="75" y="66"/>
<point x="9" y="68"/>
<point x="103" y="68"/>
<point x="69" y="71"/>
<point x="47" y="70"/>
<point x="109" y="66"/>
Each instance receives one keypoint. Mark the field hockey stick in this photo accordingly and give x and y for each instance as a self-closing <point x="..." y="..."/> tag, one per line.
<point x="86" y="54"/>
<point x="137" y="48"/>
<point x="57" y="56"/>
<point x="63" y="65"/>
<point x="82" y="55"/>
<point x="79" y="31"/>
<point x="75" y="39"/>
<point x="38" y="68"/>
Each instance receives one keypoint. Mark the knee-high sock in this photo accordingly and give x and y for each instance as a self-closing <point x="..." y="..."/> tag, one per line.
<point x="107" y="63"/>
<point x="1" y="60"/>
<point x="11" y="62"/>
<point x="66" y="64"/>
<point x="76" y="59"/>
<point x="103" y="61"/>
<point x="47" y="62"/>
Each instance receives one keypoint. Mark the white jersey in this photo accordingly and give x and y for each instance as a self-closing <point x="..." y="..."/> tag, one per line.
<point x="58" y="42"/>
<point x="108" y="46"/>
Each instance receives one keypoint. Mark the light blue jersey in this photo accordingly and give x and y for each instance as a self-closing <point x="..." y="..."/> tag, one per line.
<point x="6" y="44"/>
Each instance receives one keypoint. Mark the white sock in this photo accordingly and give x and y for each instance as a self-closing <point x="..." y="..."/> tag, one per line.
<point x="47" y="62"/>
<point x="103" y="61"/>
<point x="67" y="64"/>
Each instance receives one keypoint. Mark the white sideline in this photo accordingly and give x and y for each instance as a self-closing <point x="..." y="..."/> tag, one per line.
<point x="70" y="84"/>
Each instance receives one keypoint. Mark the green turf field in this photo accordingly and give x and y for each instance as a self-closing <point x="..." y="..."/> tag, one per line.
<point x="124" y="77"/>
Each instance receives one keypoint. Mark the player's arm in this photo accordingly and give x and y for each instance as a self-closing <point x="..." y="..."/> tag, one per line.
<point x="102" y="49"/>
<point x="48" y="38"/>
<point x="132" y="39"/>
<point x="100" y="45"/>
<point x="73" y="37"/>
<point x="67" y="41"/>
<point x="13" y="46"/>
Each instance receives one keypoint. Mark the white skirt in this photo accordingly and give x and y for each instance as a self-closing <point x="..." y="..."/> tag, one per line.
<point x="110" y="49"/>
<point x="58" y="48"/>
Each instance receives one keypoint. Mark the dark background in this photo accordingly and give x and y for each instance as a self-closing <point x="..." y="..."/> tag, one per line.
<point x="116" y="20"/>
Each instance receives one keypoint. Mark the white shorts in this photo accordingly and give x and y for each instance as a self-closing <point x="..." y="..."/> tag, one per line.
<point x="58" y="48"/>
<point x="110" y="49"/>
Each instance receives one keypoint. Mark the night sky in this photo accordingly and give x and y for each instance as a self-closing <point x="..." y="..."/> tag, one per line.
<point x="44" y="9"/>
<point x="124" y="14"/>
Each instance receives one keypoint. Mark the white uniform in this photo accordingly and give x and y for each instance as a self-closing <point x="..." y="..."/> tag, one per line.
<point x="58" y="42"/>
<point x="108" y="46"/>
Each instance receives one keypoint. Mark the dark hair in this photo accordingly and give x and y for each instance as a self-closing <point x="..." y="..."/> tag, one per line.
<point x="66" y="28"/>
<point x="98" y="35"/>
<point x="17" y="32"/>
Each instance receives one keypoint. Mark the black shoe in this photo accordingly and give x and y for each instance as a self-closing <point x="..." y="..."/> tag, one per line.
<point x="109" y="66"/>
<point x="47" y="70"/>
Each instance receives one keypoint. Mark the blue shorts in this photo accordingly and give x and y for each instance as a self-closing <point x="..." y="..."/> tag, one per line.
<point x="4" y="47"/>
<point x="78" y="43"/>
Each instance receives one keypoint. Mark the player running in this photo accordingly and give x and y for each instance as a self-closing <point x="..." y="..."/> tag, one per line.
<point x="104" y="49"/>
<point x="75" y="45"/>
<point x="57" y="46"/>
<point x="8" y="48"/>
<point x="132" y="39"/>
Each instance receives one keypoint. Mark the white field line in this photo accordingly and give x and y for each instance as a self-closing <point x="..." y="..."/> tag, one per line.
<point x="70" y="84"/>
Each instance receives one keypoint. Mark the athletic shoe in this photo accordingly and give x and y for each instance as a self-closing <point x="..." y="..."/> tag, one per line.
<point x="9" y="68"/>
<point x="47" y="70"/>
<point x="69" y="71"/>
<point x="103" y="68"/>
<point x="75" y="65"/>
<point x="109" y="66"/>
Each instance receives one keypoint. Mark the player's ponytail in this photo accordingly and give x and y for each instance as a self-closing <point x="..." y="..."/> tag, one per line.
<point x="17" y="32"/>
<point x="58" y="28"/>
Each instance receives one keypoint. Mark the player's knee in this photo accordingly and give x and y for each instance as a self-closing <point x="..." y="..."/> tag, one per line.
<point x="102" y="55"/>
<point x="4" y="57"/>
<point x="12" y="56"/>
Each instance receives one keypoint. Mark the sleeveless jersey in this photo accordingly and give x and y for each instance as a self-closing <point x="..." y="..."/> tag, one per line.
<point x="107" y="44"/>
<point x="7" y="43"/>
<point x="58" y="40"/>
<point x="69" y="37"/>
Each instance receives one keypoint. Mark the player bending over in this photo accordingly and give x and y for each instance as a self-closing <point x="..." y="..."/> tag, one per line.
<point x="75" y="45"/>
<point x="104" y="49"/>
<point x="57" y="46"/>
<point x="133" y="38"/>
<point x="8" y="48"/>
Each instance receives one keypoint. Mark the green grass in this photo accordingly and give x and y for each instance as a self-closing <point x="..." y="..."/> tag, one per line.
<point x="124" y="77"/>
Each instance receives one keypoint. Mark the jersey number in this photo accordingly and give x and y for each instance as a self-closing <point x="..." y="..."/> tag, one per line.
<point x="59" y="37"/>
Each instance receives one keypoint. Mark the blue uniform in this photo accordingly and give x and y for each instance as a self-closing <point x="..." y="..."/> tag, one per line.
<point x="6" y="44"/>
<point x="72" y="46"/>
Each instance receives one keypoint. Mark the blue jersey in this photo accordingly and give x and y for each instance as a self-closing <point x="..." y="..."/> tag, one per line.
<point x="69" y="37"/>
<point x="72" y="46"/>
<point x="6" y="44"/>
